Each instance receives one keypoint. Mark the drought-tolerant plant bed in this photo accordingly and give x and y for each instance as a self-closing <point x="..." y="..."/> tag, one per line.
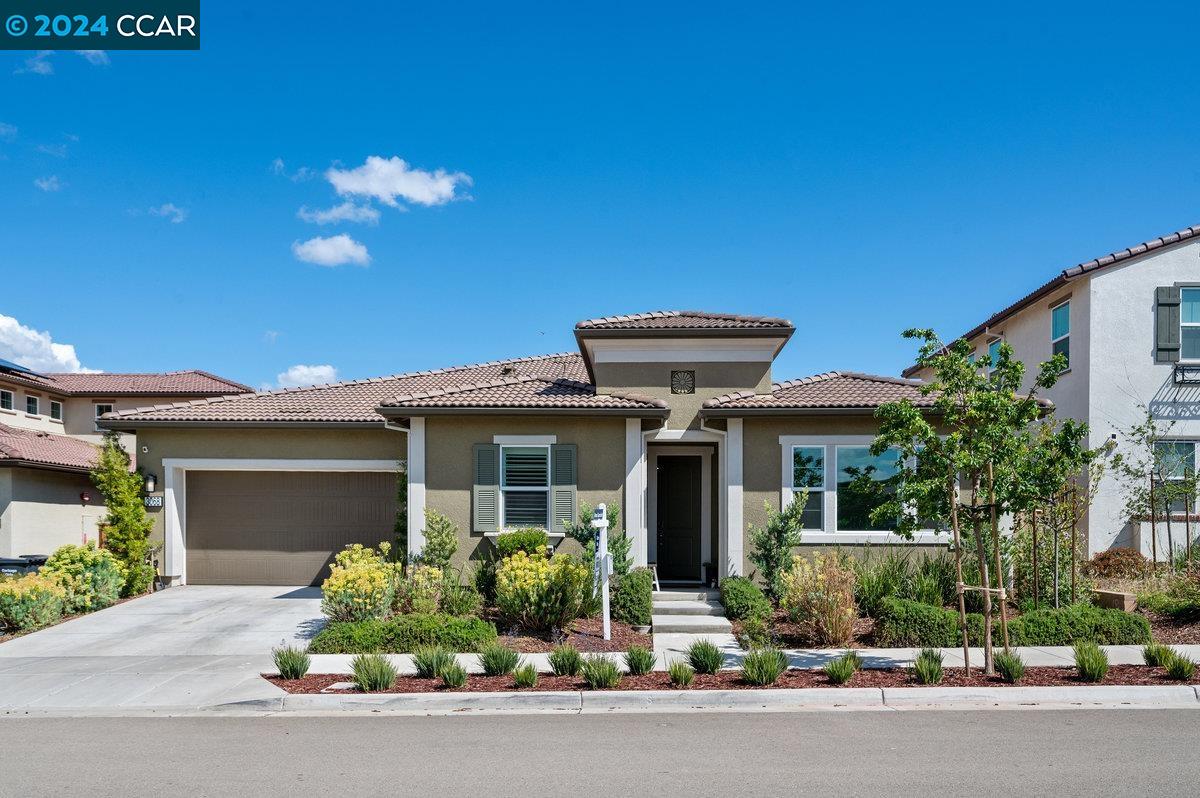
<point x="586" y="634"/>
<point x="1165" y="629"/>
<point x="733" y="680"/>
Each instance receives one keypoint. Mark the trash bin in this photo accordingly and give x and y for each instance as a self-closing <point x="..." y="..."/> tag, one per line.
<point x="14" y="566"/>
<point x="36" y="561"/>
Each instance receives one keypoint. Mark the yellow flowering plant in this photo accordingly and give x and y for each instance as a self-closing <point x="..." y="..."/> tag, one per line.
<point x="30" y="602"/>
<point x="538" y="593"/>
<point x="419" y="590"/>
<point x="818" y="594"/>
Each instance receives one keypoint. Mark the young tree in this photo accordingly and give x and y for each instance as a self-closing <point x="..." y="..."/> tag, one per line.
<point x="975" y="456"/>
<point x="126" y="523"/>
<point x="771" y="545"/>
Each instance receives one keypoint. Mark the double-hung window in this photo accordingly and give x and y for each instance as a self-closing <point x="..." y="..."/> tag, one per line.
<point x="101" y="409"/>
<point x="1060" y="331"/>
<point x="808" y="473"/>
<point x="524" y="486"/>
<point x="1176" y="466"/>
<point x="55" y="410"/>
<point x="1189" y="324"/>
<point x="31" y="405"/>
<point x="6" y="400"/>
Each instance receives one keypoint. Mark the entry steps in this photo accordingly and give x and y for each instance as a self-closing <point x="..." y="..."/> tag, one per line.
<point x="689" y="611"/>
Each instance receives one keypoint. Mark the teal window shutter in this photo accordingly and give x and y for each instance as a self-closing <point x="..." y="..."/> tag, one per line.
<point x="1166" y="321"/>
<point x="564" y="474"/>
<point x="485" y="495"/>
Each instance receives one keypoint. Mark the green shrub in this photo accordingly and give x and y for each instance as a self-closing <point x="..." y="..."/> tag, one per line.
<point x="927" y="667"/>
<point x="460" y="600"/>
<point x="419" y="589"/>
<point x="441" y="540"/>
<point x="373" y="672"/>
<point x="743" y="599"/>
<point x="30" y="602"/>
<point x="909" y="624"/>
<point x="91" y="577"/>
<point x="1181" y="599"/>
<point x="639" y="660"/>
<point x="430" y="661"/>
<point x="818" y="594"/>
<point x="705" y="657"/>
<point x="484" y="577"/>
<point x="840" y="670"/>
<point x="565" y="660"/>
<point x="771" y="546"/>
<point x="764" y="666"/>
<point x="126" y="523"/>
<point x="403" y="634"/>
<point x="541" y="594"/>
<point x="600" y="673"/>
<point x="1180" y="668"/>
<point x="681" y="674"/>
<point x="878" y="577"/>
<point x="454" y="676"/>
<point x="532" y="541"/>
<point x="1010" y="666"/>
<point x="755" y="633"/>
<point x="291" y="662"/>
<point x="139" y="576"/>
<point x="359" y="591"/>
<point x="525" y="676"/>
<point x="1078" y="623"/>
<point x="498" y="660"/>
<point x="927" y="590"/>
<point x="1091" y="662"/>
<point x="1157" y="655"/>
<point x="938" y="569"/>
<point x="633" y="597"/>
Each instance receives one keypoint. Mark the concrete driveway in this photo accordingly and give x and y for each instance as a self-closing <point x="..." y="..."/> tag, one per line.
<point x="184" y="647"/>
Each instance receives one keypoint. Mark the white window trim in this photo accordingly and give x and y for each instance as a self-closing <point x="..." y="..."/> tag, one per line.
<point x="37" y="405"/>
<point x="12" y="400"/>
<point x="504" y="525"/>
<point x="59" y="417"/>
<point x="525" y="440"/>
<point x="1067" y="336"/>
<point x="96" y="412"/>
<point x="1183" y="324"/>
<point x="998" y="339"/>
<point x="830" y="533"/>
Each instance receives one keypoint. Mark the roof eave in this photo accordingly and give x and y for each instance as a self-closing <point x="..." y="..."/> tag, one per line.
<point x="129" y="425"/>
<point x="19" y="463"/>
<point x="582" y="333"/>
<point x="617" y="412"/>
<point x="737" y="412"/>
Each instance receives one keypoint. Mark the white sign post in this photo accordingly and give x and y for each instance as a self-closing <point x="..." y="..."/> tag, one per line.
<point x="603" y="567"/>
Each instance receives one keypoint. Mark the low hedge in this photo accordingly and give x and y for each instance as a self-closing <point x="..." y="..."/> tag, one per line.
<point x="903" y="623"/>
<point x="633" y="597"/>
<point x="403" y="634"/>
<point x="743" y="599"/>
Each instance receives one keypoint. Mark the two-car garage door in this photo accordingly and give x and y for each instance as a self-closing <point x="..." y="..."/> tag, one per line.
<point x="281" y="527"/>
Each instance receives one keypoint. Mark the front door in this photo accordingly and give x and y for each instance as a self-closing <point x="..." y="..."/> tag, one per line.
<point x="679" y="517"/>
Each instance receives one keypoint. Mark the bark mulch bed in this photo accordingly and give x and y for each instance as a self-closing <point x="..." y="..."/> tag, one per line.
<point x="788" y="635"/>
<point x="732" y="680"/>
<point x="1165" y="629"/>
<point x="586" y="634"/>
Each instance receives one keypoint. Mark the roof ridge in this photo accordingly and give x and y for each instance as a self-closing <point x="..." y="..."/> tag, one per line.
<point x="463" y="387"/>
<point x="667" y="314"/>
<point x="809" y="380"/>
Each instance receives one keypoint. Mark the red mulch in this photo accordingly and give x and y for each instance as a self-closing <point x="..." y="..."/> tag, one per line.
<point x="586" y="634"/>
<point x="788" y="635"/>
<point x="1165" y="629"/>
<point x="732" y="680"/>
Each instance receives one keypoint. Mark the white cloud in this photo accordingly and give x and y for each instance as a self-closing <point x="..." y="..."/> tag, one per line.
<point x="95" y="57"/>
<point x="387" y="179"/>
<point x="169" y="211"/>
<point x="300" y="375"/>
<point x="332" y="251"/>
<point x="51" y="183"/>
<point x="7" y="132"/>
<point x="57" y="150"/>
<point x="346" y="212"/>
<point x="37" y="64"/>
<point x="271" y="336"/>
<point x="36" y="350"/>
<point x="299" y="176"/>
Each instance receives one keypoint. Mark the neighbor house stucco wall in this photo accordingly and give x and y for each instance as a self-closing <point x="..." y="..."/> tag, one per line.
<point x="44" y="511"/>
<point x="712" y="379"/>
<point x="17" y="417"/>
<point x="449" y="462"/>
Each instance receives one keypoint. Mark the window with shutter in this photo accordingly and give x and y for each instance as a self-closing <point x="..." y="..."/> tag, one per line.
<point x="1166" y="324"/>
<point x="563" y="499"/>
<point x="525" y="486"/>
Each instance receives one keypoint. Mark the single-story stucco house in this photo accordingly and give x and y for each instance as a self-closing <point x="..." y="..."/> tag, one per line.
<point x="673" y="415"/>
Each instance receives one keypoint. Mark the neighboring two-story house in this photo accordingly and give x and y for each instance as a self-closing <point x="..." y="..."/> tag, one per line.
<point x="1129" y="323"/>
<point x="48" y="438"/>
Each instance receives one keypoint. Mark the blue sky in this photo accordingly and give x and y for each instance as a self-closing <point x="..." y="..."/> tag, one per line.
<point x="858" y="171"/>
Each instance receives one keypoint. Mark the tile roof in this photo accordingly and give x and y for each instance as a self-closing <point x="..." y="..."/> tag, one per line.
<point x="171" y="383"/>
<point x="34" y="447"/>
<point x="683" y="320"/>
<point x="1078" y="270"/>
<point x="841" y="390"/>
<point x="526" y="392"/>
<point x="355" y="400"/>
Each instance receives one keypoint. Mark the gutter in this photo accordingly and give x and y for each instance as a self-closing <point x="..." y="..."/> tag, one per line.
<point x="617" y="412"/>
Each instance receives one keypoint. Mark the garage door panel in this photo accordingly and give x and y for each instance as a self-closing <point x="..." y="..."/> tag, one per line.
<point x="281" y="527"/>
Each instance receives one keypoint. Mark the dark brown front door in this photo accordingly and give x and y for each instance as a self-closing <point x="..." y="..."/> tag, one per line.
<point x="679" y="517"/>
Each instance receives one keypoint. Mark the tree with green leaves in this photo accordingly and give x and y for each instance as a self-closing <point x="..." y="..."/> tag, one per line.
<point x="974" y="456"/>
<point x="771" y="545"/>
<point x="126" y="524"/>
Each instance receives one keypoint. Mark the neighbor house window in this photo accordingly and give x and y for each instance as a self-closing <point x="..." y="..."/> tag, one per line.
<point x="808" y="472"/>
<point x="524" y="486"/>
<point x="31" y="405"/>
<point x="6" y="400"/>
<point x="1189" y="323"/>
<point x="994" y="353"/>
<point x="864" y="482"/>
<point x="1060" y="331"/>
<point x="101" y="410"/>
<point x="1176" y="465"/>
<point x="56" y="410"/>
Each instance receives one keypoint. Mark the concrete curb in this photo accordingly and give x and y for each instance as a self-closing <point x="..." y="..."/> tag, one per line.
<point x="738" y="700"/>
<point x="1095" y="695"/>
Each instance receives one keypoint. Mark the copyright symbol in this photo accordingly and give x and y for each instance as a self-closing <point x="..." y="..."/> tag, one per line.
<point x="16" y="25"/>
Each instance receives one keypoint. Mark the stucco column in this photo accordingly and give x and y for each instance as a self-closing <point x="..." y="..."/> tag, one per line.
<point x="416" y="486"/>
<point x="635" y="491"/>
<point x="731" y="557"/>
<point x="174" y="511"/>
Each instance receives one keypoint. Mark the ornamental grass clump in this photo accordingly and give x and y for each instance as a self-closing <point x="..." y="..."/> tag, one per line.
<point x="1157" y="655"/>
<point x="840" y="670"/>
<point x="681" y="674"/>
<point x="525" y="676"/>
<point x="600" y="673"/>
<point x="1091" y="662"/>
<point x="373" y="672"/>
<point x="454" y="676"/>
<point x="540" y="594"/>
<point x="430" y="661"/>
<point x="498" y="660"/>
<point x="705" y="657"/>
<point x="639" y="660"/>
<point x="1180" y="668"/>
<point x="764" y="666"/>
<point x="927" y="667"/>
<point x="1010" y="666"/>
<point x="818" y="594"/>
<point x="291" y="662"/>
<point x="565" y="660"/>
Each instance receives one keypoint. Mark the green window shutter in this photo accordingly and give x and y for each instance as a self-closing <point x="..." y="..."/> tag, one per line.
<point x="1166" y="321"/>
<point x="485" y="495"/>
<point x="564" y="474"/>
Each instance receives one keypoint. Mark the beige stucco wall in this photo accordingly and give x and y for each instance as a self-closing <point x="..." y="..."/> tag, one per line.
<point x="712" y="379"/>
<point x="17" y="417"/>
<point x="448" y="464"/>
<point x="41" y="510"/>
